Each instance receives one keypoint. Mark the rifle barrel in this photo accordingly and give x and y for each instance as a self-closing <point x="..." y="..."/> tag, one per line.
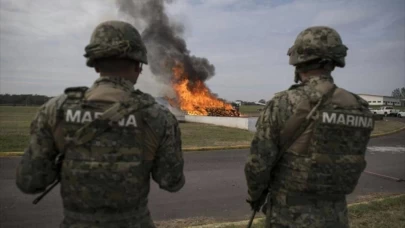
<point x="251" y="219"/>
<point x="45" y="192"/>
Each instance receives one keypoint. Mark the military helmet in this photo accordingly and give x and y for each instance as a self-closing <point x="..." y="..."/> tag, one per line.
<point x="115" y="39"/>
<point x="318" y="42"/>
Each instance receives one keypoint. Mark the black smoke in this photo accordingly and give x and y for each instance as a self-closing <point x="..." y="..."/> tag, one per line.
<point x="164" y="40"/>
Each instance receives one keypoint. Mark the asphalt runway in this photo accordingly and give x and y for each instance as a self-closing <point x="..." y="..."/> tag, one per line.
<point x="215" y="187"/>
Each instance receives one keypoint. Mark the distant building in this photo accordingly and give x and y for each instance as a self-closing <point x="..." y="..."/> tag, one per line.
<point x="238" y="102"/>
<point x="381" y="100"/>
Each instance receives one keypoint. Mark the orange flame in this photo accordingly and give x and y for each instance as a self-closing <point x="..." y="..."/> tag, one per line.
<point x="197" y="100"/>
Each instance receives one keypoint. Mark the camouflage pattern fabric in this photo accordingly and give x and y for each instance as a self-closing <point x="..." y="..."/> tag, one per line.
<point x="314" y="213"/>
<point x="301" y="192"/>
<point x="316" y="43"/>
<point x="315" y="48"/>
<point x="105" y="182"/>
<point x="115" y="39"/>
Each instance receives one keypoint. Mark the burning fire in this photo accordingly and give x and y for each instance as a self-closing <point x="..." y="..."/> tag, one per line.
<point x="197" y="99"/>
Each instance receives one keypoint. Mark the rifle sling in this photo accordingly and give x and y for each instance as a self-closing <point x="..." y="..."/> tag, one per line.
<point x="299" y="122"/>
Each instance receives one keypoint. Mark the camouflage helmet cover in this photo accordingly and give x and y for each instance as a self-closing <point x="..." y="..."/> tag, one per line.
<point x="115" y="39"/>
<point x="318" y="42"/>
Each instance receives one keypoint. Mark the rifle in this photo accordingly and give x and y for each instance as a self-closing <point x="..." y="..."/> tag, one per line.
<point x="251" y="219"/>
<point x="58" y="162"/>
<point x="46" y="192"/>
<point x="289" y="137"/>
<point x="256" y="209"/>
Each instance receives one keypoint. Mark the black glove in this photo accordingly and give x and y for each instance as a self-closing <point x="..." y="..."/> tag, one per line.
<point x="257" y="204"/>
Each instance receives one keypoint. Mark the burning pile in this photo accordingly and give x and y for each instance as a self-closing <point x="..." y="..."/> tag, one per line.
<point x="196" y="98"/>
<point x="170" y="60"/>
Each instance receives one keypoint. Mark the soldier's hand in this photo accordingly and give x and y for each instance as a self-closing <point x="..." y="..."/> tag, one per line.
<point x="257" y="204"/>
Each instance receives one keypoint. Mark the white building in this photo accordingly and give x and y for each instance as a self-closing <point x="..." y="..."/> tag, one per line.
<point x="238" y="102"/>
<point x="380" y="100"/>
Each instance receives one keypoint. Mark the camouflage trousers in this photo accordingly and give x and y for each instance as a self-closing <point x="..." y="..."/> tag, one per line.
<point x="88" y="221"/>
<point x="286" y="211"/>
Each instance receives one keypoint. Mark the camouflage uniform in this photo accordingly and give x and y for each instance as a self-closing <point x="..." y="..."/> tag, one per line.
<point x="307" y="174"/>
<point x="105" y="175"/>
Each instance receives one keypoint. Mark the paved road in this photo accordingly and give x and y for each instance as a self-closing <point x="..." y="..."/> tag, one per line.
<point x="215" y="187"/>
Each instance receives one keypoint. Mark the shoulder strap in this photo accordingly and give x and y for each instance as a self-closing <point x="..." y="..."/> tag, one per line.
<point x="88" y="132"/>
<point x="76" y="92"/>
<point x="69" y="93"/>
<point x="58" y="129"/>
<point x="113" y="114"/>
<point x="289" y="137"/>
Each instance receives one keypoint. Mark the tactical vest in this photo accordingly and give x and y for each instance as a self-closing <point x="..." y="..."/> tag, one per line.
<point x="328" y="156"/>
<point x="106" y="178"/>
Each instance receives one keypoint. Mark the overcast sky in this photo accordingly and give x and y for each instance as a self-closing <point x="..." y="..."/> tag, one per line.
<point x="42" y="43"/>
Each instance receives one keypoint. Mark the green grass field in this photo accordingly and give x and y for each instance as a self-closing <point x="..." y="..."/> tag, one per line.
<point x="15" y="123"/>
<point x="250" y="110"/>
<point x="401" y="108"/>
<point x="207" y="135"/>
<point x="385" y="213"/>
<point x="387" y="126"/>
<point x="14" y="127"/>
<point x="254" y="109"/>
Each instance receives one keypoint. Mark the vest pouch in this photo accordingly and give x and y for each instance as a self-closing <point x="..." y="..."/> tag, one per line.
<point x="103" y="173"/>
<point x="337" y="150"/>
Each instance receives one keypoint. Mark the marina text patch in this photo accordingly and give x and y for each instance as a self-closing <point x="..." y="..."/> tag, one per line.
<point x="347" y="119"/>
<point x="80" y="116"/>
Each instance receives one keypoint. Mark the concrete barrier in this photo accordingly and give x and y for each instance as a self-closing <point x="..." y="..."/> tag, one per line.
<point x="247" y="123"/>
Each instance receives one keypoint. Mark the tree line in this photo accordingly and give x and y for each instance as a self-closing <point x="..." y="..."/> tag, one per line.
<point x="23" y="99"/>
<point x="399" y="93"/>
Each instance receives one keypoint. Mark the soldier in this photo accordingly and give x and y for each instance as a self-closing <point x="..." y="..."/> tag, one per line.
<point x="111" y="138"/>
<point x="309" y="148"/>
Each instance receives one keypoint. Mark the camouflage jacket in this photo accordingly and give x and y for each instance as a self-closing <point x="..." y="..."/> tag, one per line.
<point x="266" y="144"/>
<point x="161" y="138"/>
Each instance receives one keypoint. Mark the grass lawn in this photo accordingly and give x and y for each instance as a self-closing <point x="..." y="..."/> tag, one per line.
<point x="400" y="108"/>
<point x="250" y="110"/>
<point x="384" y="213"/>
<point x="207" y="135"/>
<point x="387" y="126"/>
<point x="15" y="122"/>
<point x="14" y="127"/>
<point x="254" y="110"/>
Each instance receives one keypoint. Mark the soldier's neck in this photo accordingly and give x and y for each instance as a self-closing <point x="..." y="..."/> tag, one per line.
<point x="305" y="77"/>
<point x="125" y="75"/>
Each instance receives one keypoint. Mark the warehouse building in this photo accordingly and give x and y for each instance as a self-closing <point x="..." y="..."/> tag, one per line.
<point x="381" y="100"/>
